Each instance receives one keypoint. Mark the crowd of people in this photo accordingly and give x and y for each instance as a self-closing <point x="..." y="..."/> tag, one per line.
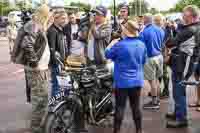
<point x="142" y="48"/>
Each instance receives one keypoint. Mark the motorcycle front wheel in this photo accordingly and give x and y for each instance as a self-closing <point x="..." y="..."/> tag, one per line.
<point x="60" y="121"/>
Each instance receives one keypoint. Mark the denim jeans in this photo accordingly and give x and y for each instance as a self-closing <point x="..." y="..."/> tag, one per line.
<point x="182" y="68"/>
<point x="179" y="95"/>
<point x="55" y="88"/>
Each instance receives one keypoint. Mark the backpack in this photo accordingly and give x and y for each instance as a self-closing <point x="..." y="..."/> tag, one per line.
<point x="17" y="55"/>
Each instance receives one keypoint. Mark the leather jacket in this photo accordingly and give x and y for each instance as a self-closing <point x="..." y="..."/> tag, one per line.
<point x="57" y="43"/>
<point x="29" y="46"/>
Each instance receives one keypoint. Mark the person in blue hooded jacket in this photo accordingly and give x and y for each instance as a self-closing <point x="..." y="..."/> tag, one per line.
<point x="129" y="56"/>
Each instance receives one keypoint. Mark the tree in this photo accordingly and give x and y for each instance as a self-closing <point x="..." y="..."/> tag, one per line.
<point x="4" y="7"/>
<point x="183" y="3"/>
<point x="23" y="5"/>
<point x="82" y="6"/>
<point x="135" y="7"/>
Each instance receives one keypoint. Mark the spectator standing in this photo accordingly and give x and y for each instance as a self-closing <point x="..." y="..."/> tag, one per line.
<point x="57" y="44"/>
<point x="122" y="18"/>
<point x="100" y="37"/>
<point x="184" y="59"/>
<point x="153" y="37"/>
<point x="159" y="21"/>
<point x="71" y="31"/>
<point x="129" y="56"/>
<point x="140" y="20"/>
<point x="11" y="33"/>
<point x="33" y="52"/>
<point x="123" y="13"/>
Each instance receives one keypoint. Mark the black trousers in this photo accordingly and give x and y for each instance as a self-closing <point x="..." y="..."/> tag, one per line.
<point x="28" y="89"/>
<point x="121" y="96"/>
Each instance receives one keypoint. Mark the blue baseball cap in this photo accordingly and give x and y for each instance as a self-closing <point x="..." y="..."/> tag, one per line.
<point x="101" y="10"/>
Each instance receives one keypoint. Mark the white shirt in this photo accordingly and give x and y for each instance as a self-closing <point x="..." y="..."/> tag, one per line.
<point x="91" y="44"/>
<point x="77" y="48"/>
<point x="90" y="49"/>
<point x="44" y="61"/>
<point x="74" y="28"/>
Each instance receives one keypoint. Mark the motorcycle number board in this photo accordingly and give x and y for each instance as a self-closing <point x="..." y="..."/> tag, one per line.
<point x="64" y="81"/>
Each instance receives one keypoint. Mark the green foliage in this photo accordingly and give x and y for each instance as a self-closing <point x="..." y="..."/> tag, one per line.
<point x="82" y="6"/>
<point x="6" y="7"/>
<point x="182" y="3"/>
<point x="135" y="7"/>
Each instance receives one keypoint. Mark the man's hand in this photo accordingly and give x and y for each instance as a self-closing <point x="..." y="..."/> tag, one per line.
<point x="93" y="28"/>
<point x="169" y="43"/>
<point x="113" y="43"/>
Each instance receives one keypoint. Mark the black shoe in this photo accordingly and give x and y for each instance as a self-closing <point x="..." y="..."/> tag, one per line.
<point x="171" y="116"/>
<point x="177" y="124"/>
<point x="152" y="105"/>
<point x="149" y="94"/>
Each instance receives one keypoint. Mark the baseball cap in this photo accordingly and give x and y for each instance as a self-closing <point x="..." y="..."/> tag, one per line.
<point x="101" y="10"/>
<point x="123" y="6"/>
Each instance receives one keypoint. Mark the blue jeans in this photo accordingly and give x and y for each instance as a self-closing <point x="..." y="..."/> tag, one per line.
<point x="55" y="88"/>
<point x="179" y="95"/>
<point x="183" y="67"/>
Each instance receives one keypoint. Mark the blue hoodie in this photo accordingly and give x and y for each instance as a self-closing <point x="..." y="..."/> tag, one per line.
<point x="129" y="56"/>
<point x="153" y="38"/>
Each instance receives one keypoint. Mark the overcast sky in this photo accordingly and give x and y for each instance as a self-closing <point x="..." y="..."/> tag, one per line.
<point x="158" y="4"/>
<point x="162" y="4"/>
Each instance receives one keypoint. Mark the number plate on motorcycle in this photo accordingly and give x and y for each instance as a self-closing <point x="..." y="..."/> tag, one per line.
<point x="64" y="81"/>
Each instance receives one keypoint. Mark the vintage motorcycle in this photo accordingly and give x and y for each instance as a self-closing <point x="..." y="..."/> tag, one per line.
<point x="85" y="98"/>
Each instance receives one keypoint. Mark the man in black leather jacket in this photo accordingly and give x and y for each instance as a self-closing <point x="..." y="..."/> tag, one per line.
<point x="58" y="45"/>
<point x="183" y="60"/>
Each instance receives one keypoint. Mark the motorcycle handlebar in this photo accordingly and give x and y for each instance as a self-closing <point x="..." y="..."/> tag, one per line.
<point x="191" y="83"/>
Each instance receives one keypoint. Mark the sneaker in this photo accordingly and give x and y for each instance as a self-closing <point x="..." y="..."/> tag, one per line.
<point x="151" y="105"/>
<point x="171" y="116"/>
<point x="177" y="124"/>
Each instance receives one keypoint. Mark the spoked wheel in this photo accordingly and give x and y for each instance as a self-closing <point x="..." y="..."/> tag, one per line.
<point x="61" y="121"/>
<point x="101" y="116"/>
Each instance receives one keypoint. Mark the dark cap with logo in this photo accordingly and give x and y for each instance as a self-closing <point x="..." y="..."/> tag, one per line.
<point x="101" y="10"/>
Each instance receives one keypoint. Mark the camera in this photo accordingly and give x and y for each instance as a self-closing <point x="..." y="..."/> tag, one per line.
<point x="26" y="16"/>
<point x="85" y="24"/>
<point x="85" y="21"/>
